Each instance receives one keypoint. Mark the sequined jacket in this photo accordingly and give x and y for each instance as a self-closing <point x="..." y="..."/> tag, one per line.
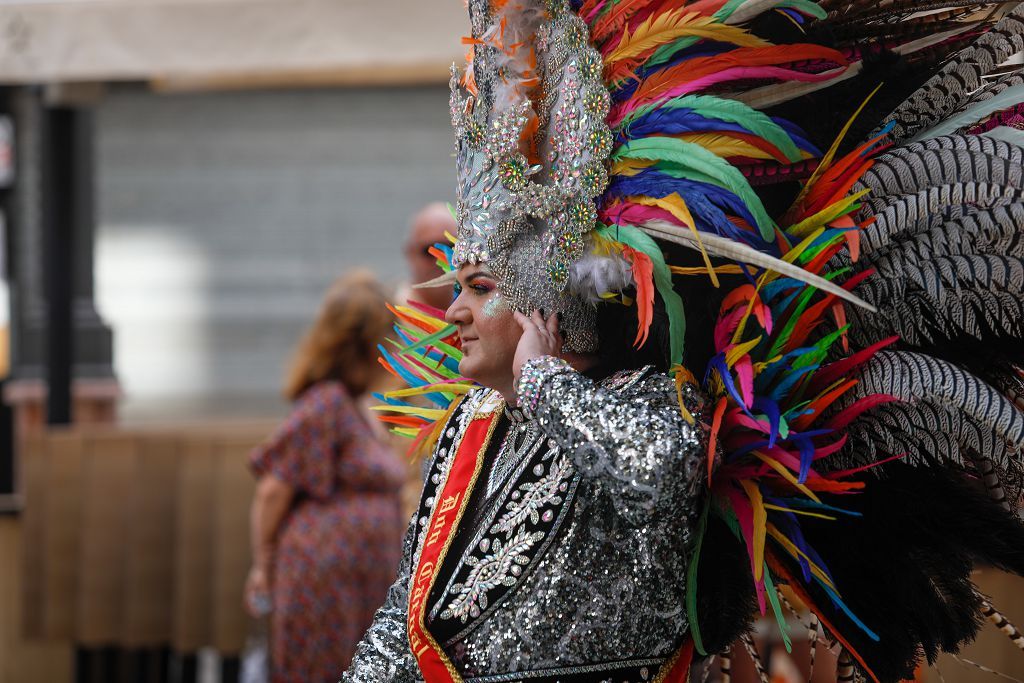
<point x="576" y="564"/>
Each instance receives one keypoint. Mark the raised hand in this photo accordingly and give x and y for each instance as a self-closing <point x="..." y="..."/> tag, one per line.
<point x="540" y="338"/>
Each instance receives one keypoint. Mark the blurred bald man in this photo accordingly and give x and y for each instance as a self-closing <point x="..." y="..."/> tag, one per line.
<point x="428" y="228"/>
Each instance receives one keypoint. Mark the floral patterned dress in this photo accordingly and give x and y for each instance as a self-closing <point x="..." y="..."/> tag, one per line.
<point x="338" y="547"/>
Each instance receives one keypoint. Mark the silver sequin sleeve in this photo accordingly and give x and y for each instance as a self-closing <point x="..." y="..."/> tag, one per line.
<point x="383" y="655"/>
<point x="638" y="450"/>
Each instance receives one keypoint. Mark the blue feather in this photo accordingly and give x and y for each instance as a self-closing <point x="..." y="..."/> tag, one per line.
<point x="705" y="201"/>
<point x="771" y="411"/>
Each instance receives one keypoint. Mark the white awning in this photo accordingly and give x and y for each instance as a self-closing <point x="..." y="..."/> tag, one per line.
<point x="192" y="43"/>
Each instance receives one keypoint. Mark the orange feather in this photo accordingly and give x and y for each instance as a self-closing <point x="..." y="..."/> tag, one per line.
<point x="614" y="20"/>
<point x="643" y="276"/>
<point x="699" y="67"/>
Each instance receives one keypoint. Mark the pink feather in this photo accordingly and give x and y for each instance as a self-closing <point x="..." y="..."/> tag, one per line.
<point x="745" y="516"/>
<point x="620" y="111"/>
<point x="725" y="327"/>
<point x="825" y="451"/>
<point x="636" y="214"/>
<point x="852" y="412"/>
<point x="745" y="373"/>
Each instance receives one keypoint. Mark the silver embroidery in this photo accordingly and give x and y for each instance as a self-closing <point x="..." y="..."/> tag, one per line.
<point x="532" y="497"/>
<point x="500" y="567"/>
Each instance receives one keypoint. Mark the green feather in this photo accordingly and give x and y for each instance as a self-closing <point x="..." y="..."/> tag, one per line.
<point x="438" y="344"/>
<point x="642" y="242"/>
<point x="804" y="6"/>
<point x="691" y="582"/>
<point x="692" y="157"/>
<point x="728" y="8"/>
<point x="820" y="350"/>
<point x="803" y="301"/>
<point x="729" y="111"/>
<point x="667" y="51"/>
<point x="430" y="340"/>
<point x="773" y="599"/>
<point x="807" y="7"/>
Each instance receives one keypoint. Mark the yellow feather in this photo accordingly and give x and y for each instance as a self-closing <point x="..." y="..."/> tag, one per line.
<point x="427" y="413"/>
<point x="700" y="270"/>
<point x="630" y="167"/>
<point x="826" y="160"/>
<point x="740" y="350"/>
<point x="676" y="206"/>
<point x="760" y="522"/>
<point x="725" y="146"/>
<point x="797" y="553"/>
<point x="670" y="26"/>
<point x="799" y="512"/>
<point x="802" y="228"/>
<point x="786" y="474"/>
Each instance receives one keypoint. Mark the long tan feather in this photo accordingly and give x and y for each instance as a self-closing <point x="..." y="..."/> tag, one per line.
<point x="446" y="280"/>
<point x="741" y="253"/>
<point x="751" y="647"/>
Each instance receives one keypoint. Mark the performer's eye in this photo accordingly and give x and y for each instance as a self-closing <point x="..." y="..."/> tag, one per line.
<point x="457" y="289"/>
<point x="481" y="289"/>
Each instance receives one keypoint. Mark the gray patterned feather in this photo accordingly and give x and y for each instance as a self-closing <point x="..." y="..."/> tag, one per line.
<point x="990" y="90"/>
<point x="896" y="211"/>
<point x="944" y="415"/>
<point x="956" y="276"/>
<point x="994" y="228"/>
<point x="949" y="89"/>
<point x="908" y="171"/>
<point x="946" y="242"/>
<point x="971" y="143"/>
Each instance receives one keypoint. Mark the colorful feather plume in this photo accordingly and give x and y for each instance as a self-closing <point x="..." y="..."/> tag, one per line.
<point x="425" y="356"/>
<point x="771" y="387"/>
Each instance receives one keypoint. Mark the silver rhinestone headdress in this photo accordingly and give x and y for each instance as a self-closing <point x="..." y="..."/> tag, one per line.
<point x="531" y="145"/>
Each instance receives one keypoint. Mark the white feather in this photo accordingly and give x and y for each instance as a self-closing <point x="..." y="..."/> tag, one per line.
<point x="592" y="275"/>
<point x="522" y="19"/>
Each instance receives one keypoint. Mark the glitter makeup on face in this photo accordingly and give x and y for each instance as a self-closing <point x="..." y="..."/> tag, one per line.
<point x="494" y="306"/>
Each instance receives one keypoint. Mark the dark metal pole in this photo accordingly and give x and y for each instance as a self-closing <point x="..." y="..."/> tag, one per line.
<point x="60" y="146"/>
<point x="7" y="455"/>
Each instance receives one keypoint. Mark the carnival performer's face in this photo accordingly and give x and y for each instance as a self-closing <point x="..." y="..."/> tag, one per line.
<point x="488" y="331"/>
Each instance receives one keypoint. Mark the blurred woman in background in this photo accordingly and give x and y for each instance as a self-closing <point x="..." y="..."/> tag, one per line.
<point x="326" y="519"/>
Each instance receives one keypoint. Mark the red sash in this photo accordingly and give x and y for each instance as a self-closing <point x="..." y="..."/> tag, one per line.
<point x="444" y="520"/>
<point x="678" y="668"/>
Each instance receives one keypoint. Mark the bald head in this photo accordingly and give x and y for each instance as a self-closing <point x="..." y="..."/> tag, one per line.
<point x="428" y="227"/>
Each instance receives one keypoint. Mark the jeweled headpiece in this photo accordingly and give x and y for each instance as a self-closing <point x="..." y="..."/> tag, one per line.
<point x="532" y="144"/>
<point x="580" y="136"/>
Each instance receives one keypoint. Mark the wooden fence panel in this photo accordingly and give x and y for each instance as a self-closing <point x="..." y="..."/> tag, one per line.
<point x="109" y="476"/>
<point x="149" y="564"/>
<point x="193" y="545"/>
<point x="231" y="549"/>
<point x="62" y="510"/>
<point x="30" y="527"/>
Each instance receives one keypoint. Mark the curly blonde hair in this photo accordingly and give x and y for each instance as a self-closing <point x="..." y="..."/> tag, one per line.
<point x="342" y="343"/>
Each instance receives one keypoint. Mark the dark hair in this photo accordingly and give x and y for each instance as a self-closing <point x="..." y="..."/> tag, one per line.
<point x="617" y="324"/>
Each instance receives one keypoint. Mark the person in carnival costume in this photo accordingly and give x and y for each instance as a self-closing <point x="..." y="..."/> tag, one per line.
<point x="817" y="206"/>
